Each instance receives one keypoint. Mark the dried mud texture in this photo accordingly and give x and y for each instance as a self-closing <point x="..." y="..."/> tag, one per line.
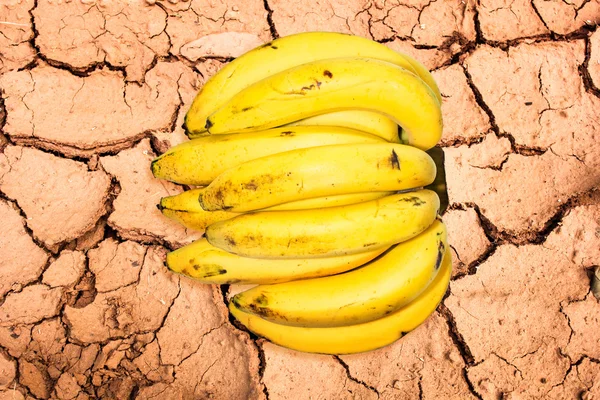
<point x="463" y="118"/>
<point x="62" y="199"/>
<point x="314" y="376"/>
<point x="189" y="85"/>
<point x="91" y="91"/>
<point x="563" y="17"/>
<point x="431" y="31"/>
<point x="226" y="44"/>
<point x="506" y="20"/>
<point x="548" y="117"/>
<point x="469" y="242"/>
<point x="15" y="33"/>
<point x="425" y="364"/>
<point x="193" y="23"/>
<point x="127" y="308"/>
<point x="135" y="215"/>
<point x="66" y="270"/>
<point x="83" y="34"/>
<point x="45" y="107"/>
<point x="15" y="269"/>
<point x="528" y="308"/>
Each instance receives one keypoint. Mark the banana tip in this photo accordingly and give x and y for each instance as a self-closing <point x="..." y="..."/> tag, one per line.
<point x="154" y="167"/>
<point x="170" y="265"/>
<point x="201" y="201"/>
<point x="235" y="301"/>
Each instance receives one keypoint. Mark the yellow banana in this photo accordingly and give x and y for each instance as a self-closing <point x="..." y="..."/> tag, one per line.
<point x="329" y="231"/>
<point x="328" y="201"/>
<point x="186" y="201"/>
<point x="367" y="121"/>
<point x="364" y="294"/>
<point x="206" y="263"/>
<point x="318" y="172"/>
<point x="185" y="208"/>
<point x="199" y="161"/>
<point x="282" y="54"/>
<point x="353" y="338"/>
<point x="335" y="85"/>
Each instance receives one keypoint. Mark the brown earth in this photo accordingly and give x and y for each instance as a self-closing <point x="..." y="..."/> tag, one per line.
<point x="93" y="90"/>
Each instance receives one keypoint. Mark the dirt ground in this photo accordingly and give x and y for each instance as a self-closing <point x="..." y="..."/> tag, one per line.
<point x="93" y="90"/>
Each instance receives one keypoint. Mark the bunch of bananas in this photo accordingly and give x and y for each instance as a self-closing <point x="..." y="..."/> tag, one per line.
<point x="308" y="165"/>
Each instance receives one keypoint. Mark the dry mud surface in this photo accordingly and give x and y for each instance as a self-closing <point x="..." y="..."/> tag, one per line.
<point x="93" y="90"/>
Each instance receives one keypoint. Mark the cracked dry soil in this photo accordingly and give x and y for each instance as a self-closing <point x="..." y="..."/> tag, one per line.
<point x="91" y="91"/>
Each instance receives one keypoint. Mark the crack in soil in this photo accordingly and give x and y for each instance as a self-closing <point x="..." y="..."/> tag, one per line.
<point x="352" y="378"/>
<point x="460" y="343"/>
<point x="527" y="151"/>
<point x="499" y="237"/>
<point x="584" y="71"/>
<point x="77" y="71"/>
<point x="536" y="11"/>
<point x="490" y="232"/>
<point x="274" y="33"/>
<point x="33" y="237"/>
<point x="256" y="340"/>
<point x="5" y="140"/>
<point x="455" y="335"/>
<point x="83" y="152"/>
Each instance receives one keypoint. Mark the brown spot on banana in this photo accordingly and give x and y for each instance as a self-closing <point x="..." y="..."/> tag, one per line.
<point x="262" y="300"/>
<point x="269" y="44"/>
<point x="251" y="185"/>
<point x="296" y="92"/>
<point x="219" y="196"/>
<point x="213" y="270"/>
<point x="414" y="199"/>
<point x="440" y="255"/>
<point x="394" y="161"/>
<point x="258" y="306"/>
<point x="327" y="73"/>
<point x="230" y="240"/>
